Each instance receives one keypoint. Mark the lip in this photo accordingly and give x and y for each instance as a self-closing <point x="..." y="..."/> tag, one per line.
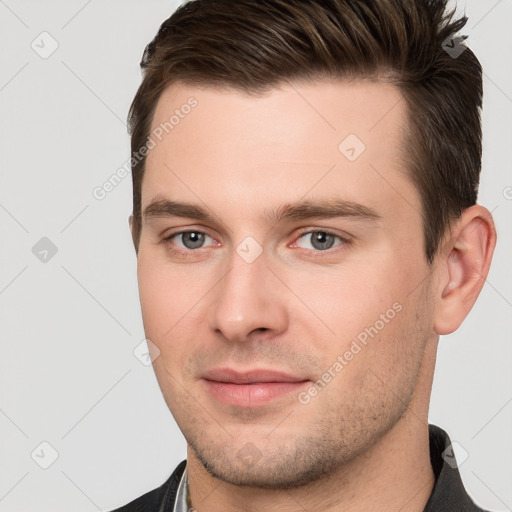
<point x="253" y="388"/>
<point x="250" y="376"/>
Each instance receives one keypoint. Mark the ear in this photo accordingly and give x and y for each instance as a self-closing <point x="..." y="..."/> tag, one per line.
<point x="464" y="262"/>
<point x="130" y="222"/>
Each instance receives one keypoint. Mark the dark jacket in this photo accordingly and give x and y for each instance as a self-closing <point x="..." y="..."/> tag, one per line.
<point x="448" y="494"/>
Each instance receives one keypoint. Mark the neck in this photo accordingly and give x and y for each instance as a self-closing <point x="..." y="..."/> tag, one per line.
<point x="395" y="474"/>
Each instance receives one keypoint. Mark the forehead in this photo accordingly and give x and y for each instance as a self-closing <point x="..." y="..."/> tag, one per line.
<point x="327" y="108"/>
<point x="318" y="138"/>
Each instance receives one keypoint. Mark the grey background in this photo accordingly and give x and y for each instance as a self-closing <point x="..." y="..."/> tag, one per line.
<point x="69" y="326"/>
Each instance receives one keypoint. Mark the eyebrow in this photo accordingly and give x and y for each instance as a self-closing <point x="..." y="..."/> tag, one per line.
<point x="303" y="210"/>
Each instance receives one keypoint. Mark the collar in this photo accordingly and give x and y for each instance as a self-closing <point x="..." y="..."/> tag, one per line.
<point x="182" y="495"/>
<point x="448" y="494"/>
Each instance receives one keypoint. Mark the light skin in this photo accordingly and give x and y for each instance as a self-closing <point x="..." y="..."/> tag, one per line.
<point x="362" y="442"/>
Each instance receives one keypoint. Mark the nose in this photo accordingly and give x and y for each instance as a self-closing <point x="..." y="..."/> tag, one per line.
<point x="248" y="300"/>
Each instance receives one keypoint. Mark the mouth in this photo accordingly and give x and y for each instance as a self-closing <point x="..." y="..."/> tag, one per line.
<point x="253" y="388"/>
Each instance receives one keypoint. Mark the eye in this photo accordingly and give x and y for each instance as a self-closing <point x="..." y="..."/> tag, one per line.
<point x="188" y="240"/>
<point x="320" y="240"/>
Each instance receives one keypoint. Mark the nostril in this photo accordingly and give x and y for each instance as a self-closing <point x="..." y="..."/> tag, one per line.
<point x="260" y="329"/>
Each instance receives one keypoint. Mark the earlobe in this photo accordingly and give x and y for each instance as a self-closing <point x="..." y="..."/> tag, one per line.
<point x="465" y="262"/>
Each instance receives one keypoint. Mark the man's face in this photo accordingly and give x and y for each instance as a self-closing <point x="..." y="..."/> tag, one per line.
<point x="339" y="300"/>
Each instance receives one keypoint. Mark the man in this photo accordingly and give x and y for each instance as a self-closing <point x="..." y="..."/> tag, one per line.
<point x="305" y="176"/>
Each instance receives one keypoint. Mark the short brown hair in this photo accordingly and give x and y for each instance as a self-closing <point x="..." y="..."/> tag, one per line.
<point x="254" y="45"/>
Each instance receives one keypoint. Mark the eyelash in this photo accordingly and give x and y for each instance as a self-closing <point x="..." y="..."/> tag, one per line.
<point x="313" y="252"/>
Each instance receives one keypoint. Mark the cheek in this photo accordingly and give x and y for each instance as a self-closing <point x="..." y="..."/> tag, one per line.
<point x="163" y="297"/>
<point x="167" y="314"/>
<point x="174" y="302"/>
<point x="154" y="297"/>
<point x="362" y="318"/>
<point x="345" y="298"/>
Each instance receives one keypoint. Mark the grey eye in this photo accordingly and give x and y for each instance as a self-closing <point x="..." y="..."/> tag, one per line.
<point x="319" y="240"/>
<point x="192" y="239"/>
